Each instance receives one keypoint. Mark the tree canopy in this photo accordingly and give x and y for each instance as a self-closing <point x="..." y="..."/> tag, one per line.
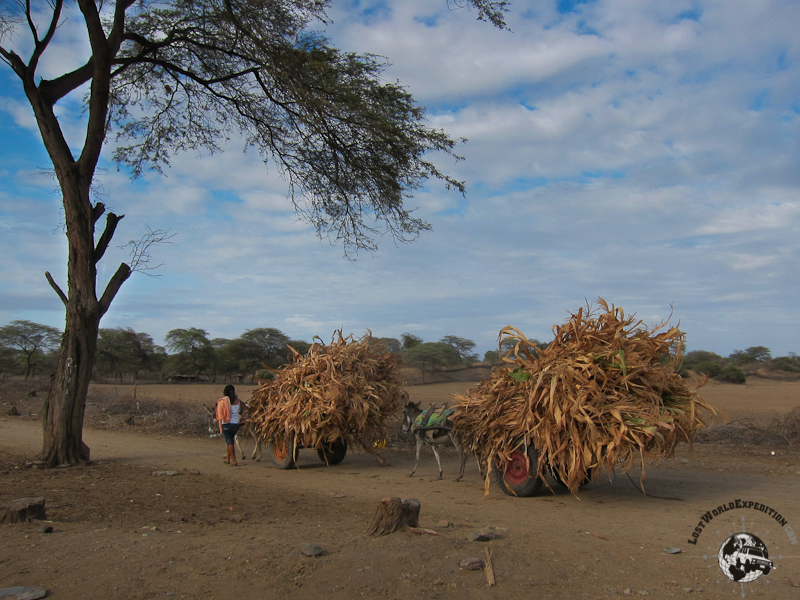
<point x="30" y="340"/>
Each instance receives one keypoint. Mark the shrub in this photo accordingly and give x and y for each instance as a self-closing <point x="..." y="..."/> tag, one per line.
<point x="786" y="363"/>
<point x="707" y="367"/>
<point x="731" y="375"/>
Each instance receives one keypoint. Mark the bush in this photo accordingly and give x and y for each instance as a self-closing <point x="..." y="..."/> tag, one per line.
<point x="786" y="363"/>
<point x="707" y="367"/>
<point x="731" y="375"/>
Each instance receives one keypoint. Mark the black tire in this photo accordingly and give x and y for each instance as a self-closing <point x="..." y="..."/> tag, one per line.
<point x="519" y="477"/>
<point x="560" y="482"/>
<point x="282" y="452"/>
<point x="767" y="570"/>
<point x="333" y="452"/>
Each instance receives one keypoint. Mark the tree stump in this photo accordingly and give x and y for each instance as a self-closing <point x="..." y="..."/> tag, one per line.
<point x="23" y="510"/>
<point x="393" y="514"/>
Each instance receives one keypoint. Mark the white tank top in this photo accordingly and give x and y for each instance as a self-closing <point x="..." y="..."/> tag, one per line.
<point x="235" y="414"/>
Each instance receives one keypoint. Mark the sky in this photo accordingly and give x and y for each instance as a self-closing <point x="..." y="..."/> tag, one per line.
<point x="645" y="152"/>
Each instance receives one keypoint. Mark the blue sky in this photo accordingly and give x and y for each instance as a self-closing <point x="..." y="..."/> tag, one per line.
<point x="646" y="152"/>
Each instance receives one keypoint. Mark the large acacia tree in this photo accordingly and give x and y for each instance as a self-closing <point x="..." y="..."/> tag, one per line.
<point x="172" y="75"/>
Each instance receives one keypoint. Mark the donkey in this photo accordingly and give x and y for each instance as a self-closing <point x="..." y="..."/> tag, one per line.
<point x="434" y="435"/>
<point x="244" y="430"/>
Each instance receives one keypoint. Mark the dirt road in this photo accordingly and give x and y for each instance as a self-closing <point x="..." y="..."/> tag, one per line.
<point x="218" y="532"/>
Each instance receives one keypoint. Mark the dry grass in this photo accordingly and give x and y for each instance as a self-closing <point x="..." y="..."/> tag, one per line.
<point x="115" y="411"/>
<point x="343" y="391"/>
<point x="780" y="430"/>
<point x="597" y="398"/>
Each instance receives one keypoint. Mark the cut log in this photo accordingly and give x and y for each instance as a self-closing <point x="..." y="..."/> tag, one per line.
<point x="23" y="510"/>
<point x="393" y="514"/>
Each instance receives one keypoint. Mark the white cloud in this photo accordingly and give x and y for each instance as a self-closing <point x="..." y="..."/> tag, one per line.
<point x="756" y="216"/>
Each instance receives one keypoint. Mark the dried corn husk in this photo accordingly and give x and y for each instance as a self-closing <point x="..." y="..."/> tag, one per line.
<point x="348" y="388"/>
<point x="603" y="393"/>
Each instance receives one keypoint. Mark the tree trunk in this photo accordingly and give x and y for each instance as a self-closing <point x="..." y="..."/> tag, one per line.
<point x="62" y="423"/>
<point x="393" y="514"/>
<point x="66" y="399"/>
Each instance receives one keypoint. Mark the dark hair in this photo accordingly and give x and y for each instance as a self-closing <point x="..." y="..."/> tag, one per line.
<point x="230" y="392"/>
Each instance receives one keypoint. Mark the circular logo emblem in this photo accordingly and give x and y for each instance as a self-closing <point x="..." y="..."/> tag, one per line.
<point x="743" y="557"/>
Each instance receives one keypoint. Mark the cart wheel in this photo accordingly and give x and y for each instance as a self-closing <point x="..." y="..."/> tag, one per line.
<point x="559" y="481"/>
<point x="280" y="451"/>
<point x="519" y="479"/>
<point x="333" y="452"/>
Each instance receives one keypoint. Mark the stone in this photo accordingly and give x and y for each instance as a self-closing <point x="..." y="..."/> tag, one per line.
<point x="23" y="510"/>
<point x="46" y="529"/>
<point x="165" y="473"/>
<point x="22" y="593"/>
<point x="484" y="535"/>
<point x="310" y="549"/>
<point x="672" y="550"/>
<point x="444" y="524"/>
<point x="471" y="564"/>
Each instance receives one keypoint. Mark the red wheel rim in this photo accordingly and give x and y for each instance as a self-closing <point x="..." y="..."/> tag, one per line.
<point x="517" y="471"/>
<point x="279" y="449"/>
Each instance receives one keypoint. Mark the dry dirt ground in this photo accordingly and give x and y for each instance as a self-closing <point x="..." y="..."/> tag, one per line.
<point x="217" y="532"/>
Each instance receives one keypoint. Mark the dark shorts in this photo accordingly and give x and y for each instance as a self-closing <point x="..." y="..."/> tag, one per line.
<point x="229" y="431"/>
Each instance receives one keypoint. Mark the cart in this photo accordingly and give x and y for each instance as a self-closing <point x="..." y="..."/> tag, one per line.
<point x="283" y="451"/>
<point x="519" y="478"/>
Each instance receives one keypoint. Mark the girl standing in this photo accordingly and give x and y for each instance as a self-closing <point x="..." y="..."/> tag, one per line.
<point x="229" y="416"/>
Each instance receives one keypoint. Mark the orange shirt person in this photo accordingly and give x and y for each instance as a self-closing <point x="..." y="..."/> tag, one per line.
<point x="230" y="411"/>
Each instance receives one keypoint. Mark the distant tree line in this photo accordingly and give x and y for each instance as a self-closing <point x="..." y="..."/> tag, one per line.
<point x="734" y="367"/>
<point x="29" y="349"/>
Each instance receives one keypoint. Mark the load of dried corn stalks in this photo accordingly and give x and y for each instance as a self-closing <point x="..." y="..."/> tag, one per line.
<point x="603" y="393"/>
<point x="344" y="391"/>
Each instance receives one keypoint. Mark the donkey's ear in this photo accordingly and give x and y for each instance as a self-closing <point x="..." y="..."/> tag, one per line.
<point x="417" y="404"/>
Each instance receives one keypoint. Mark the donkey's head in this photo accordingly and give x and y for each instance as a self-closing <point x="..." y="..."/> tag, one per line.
<point x="410" y="413"/>
<point x="213" y="428"/>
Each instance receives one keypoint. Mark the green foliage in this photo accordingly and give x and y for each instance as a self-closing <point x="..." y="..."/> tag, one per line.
<point x="492" y="356"/>
<point x="350" y="144"/>
<point x="122" y="351"/>
<point x="750" y="355"/>
<point x="393" y="345"/>
<point x="707" y="367"/>
<point x="431" y="356"/>
<point x="28" y="343"/>
<point x="265" y="374"/>
<point x="790" y="364"/>
<point x="193" y="350"/>
<point x="698" y="356"/>
<point x="463" y="347"/>
<point x="409" y="340"/>
<point x="731" y="374"/>
<point x="263" y="346"/>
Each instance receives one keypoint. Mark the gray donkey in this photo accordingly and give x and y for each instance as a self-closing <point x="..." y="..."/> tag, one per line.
<point x="440" y="431"/>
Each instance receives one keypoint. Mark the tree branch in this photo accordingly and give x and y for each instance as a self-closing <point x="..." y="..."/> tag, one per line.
<point x="108" y="233"/>
<point x="113" y="286"/>
<point x="55" y="287"/>
<point x="41" y="46"/>
<point x="55" y="89"/>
